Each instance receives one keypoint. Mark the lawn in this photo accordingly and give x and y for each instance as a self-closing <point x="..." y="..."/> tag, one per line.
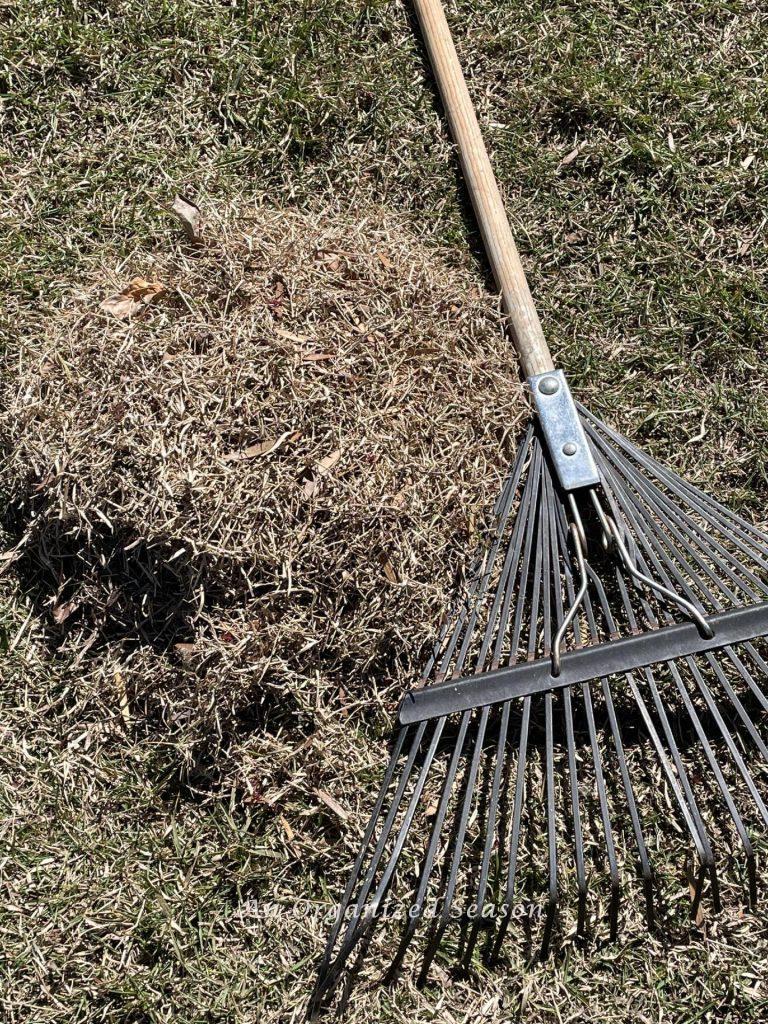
<point x="202" y="651"/>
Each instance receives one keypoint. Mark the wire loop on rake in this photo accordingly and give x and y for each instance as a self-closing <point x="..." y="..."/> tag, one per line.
<point x="459" y="826"/>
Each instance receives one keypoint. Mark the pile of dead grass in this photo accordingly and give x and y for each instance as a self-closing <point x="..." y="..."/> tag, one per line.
<point x="274" y="470"/>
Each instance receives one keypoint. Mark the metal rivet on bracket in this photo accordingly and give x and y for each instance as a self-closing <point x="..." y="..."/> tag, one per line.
<point x="549" y="386"/>
<point x="570" y="448"/>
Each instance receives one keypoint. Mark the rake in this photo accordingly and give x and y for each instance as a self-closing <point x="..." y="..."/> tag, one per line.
<point x="611" y="621"/>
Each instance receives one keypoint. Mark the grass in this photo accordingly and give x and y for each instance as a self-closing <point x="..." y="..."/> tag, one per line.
<point x="629" y="138"/>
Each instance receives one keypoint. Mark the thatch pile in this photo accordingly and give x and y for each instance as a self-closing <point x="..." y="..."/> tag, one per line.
<point x="273" y="470"/>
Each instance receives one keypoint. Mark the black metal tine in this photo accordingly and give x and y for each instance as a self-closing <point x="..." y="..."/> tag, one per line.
<point x="405" y="776"/>
<point x="528" y="513"/>
<point x="540" y="573"/>
<point x="416" y="911"/>
<point x="710" y="756"/>
<point x="729" y="522"/>
<point x="762" y="667"/>
<point x="457" y="843"/>
<point x="741" y="711"/>
<point x="522" y="751"/>
<point x="746" y="675"/>
<point x="355" y="873"/>
<point x="725" y="732"/>
<point x="645" y="863"/>
<point x="668" y="513"/>
<point x="486" y="578"/>
<point x="362" y="918"/>
<point x="504" y="591"/>
<point x="561" y="525"/>
<point x="460" y="611"/>
<point x="509" y="572"/>
<point x="558" y="555"/>
<point x="543" y="574"/>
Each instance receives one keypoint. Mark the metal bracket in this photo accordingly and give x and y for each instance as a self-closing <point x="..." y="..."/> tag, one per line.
<point x="564" y="435"/>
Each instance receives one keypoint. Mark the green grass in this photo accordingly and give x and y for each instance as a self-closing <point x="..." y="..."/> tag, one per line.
<point x="121" y="876"/>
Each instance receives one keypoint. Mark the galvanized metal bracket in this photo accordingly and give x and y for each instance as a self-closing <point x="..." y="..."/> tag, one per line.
<point x="564" y="435"/>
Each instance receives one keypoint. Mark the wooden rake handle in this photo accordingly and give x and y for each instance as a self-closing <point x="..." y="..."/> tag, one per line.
<point x="500" y="247"/>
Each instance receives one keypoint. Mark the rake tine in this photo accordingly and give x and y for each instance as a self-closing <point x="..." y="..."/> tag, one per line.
<point x="645" y="864"/>
<point x="458" y="844"/>
<point x="722" y="518"/>
<point x="416" y="912"/>
<point x="578" y="837"/>
<point x="670" y="515"/>
<point x="596" y="756"/>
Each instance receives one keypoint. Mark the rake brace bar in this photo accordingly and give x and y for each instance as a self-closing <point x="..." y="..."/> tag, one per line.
<point x="582" y="665"/>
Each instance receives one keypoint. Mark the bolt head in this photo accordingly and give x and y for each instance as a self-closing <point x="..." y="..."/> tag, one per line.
<point x="570" y="448"/>
<point x="549" y="386"/>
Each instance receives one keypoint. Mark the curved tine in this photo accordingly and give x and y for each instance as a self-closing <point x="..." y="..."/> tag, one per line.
<point x="685" y="528"/>
<point x="729" y="521"/>
<point x="355" y="872"/>
<point x="676" y="776"/>
<point x="416" y="911"/>
<point x="660" y="547"/>
<point x="460" y="610"/>
<point x="486" y="577"/>
<point x="578" y="600"/>
<point x="671" y="597"/>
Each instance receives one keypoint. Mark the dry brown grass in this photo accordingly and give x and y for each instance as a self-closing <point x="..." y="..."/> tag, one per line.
<point x="148" y="510"/>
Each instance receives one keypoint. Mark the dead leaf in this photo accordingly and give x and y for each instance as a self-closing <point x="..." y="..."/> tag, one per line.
<point x="322" y="469"/>
<point x="184" y="651"/>
<point x="278" y="297"/>
<point x="389" y="569"/>
<point x="61" y="612"/>
<point x="331" y="804"/>
<point x="190" y="217"/>
<point x="270" y="444"/>
<point x="300" y="339"/>
<point x="134" y="297"/>
<point x="571" y="156"/>
<point x="384" y="259"/>
<point x="317" y="357"/>
<point x="746" y="163"/>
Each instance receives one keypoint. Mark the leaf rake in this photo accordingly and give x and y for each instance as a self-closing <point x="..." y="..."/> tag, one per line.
<point x="615" y="610"/>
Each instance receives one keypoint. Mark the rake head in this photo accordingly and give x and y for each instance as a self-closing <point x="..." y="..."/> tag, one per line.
<point x="597" y="621"/>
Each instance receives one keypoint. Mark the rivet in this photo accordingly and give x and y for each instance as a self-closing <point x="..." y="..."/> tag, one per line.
<point x="570" y="448"/>
<point x="549" y="386"/>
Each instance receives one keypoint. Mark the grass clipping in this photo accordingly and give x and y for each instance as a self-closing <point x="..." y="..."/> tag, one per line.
<point x="268" y="468"/>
